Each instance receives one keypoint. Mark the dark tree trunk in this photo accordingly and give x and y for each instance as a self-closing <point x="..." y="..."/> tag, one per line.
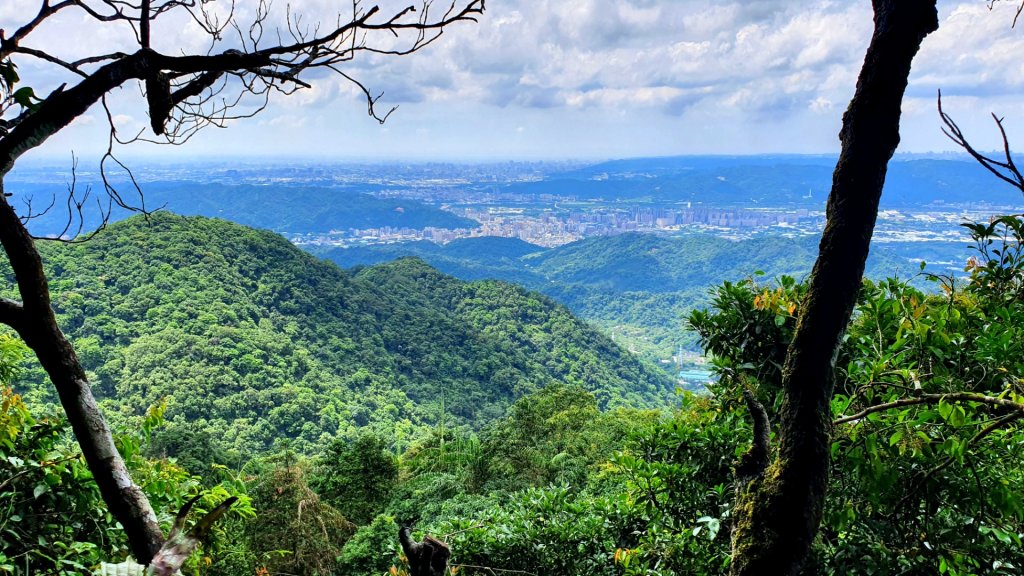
<point x="34" y="321"/>
<point x="426" y="558"/>
<point x="778" y="508"/>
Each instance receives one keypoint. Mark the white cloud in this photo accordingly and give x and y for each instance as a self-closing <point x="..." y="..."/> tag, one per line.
<point x="973" y="52"/>
<point x="762" y="72"/>
<point x="288" y="121"/>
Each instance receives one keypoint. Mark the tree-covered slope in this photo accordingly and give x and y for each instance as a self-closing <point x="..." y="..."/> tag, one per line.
<point x="639" y="285"/>
<point x="252" y="340"/>
<point x="486" y="257"/>
<point x="653" y="263"/>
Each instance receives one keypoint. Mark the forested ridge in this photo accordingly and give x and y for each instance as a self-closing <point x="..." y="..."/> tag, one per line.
<point x="253" y="341"/>
<point x="637" y="285"/>
<point x="561" y="480"/>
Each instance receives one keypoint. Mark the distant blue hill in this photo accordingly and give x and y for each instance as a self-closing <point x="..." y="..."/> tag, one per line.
<point x="771" y="181"/>
<point x="481" y="258"/>
<point x="277" y="207"/>
<point x="290" y="202"/>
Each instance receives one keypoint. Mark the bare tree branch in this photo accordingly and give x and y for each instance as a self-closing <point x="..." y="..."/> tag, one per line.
<point x="37" y="327"/>
<point x="12" y="313"/>
<point x="1020" y="10"/>
<point x="45" y="11"/>
<point x="70" y="66"/>
<point x="1005" y="169"/>
<point x="188" y="105"/>
<point x="755" y="460"/>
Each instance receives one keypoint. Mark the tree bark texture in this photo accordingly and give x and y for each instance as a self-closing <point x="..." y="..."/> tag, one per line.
<point x="778" y="510"/>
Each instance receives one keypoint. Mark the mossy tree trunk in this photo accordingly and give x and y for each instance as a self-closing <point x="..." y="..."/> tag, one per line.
<point x="779" y="500"/>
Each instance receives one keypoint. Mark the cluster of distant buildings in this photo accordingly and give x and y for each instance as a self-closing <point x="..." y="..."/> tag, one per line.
<point x="384" y="235"/>
<point x="549" y="227"/>
<point x="638" y="218"/>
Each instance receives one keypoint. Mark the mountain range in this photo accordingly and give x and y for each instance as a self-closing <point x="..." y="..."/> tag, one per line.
<point x="641" y="286"/>
<point x="252" y="340"/>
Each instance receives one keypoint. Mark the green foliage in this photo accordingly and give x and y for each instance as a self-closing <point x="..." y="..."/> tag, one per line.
<point x="49" y="523"/>
<point x="542" y="531"/>
<point x="556" y="436"/>
<point x="922" y="481"/>
<point x="749" y="335"/>
<point x="24" y="97"/>
<point x="193" y="449"/>
<point x="356" y="477"/>
<point x="270" y="347"/>
<point x="54" y="520"/>
<point x="251" y="340"/>
<point x="679" y="473"/>
<point x="373" y="550"/>
<point x="295" y="532"/>
<point x="933" y="488"/>
<point x="12" y="355"/>
<point x="437" y="468"/>
<point x="8" y="76"/>
<point x="657" y="504"/>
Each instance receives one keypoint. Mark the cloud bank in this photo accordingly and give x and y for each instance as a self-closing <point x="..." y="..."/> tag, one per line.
<point x="630" y="77"/>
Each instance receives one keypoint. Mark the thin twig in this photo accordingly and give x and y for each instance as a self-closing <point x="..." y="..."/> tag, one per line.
<point x="933" y="399"/>
<point x="1006" y="170"/>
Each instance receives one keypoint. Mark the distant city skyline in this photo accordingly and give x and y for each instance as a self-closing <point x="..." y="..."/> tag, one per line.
<point x="593" y="79"/>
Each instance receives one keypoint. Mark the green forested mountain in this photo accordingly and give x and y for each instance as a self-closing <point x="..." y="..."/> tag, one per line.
<point x="637" y="285"/>
<point x="251" y="340"/>
<point x="487" y="257"/>
<point x="923" y="478"/>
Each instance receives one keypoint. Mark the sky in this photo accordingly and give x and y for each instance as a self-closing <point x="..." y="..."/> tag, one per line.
<point x="583" y="79"/>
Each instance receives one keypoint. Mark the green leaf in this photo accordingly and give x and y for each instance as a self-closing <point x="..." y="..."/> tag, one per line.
<point x="40" y="489"/>
<point x="26" y="97"/>
<point x="958" y="416"/>
<point x="895" y="438"/>
<point x="9" y="74"/>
